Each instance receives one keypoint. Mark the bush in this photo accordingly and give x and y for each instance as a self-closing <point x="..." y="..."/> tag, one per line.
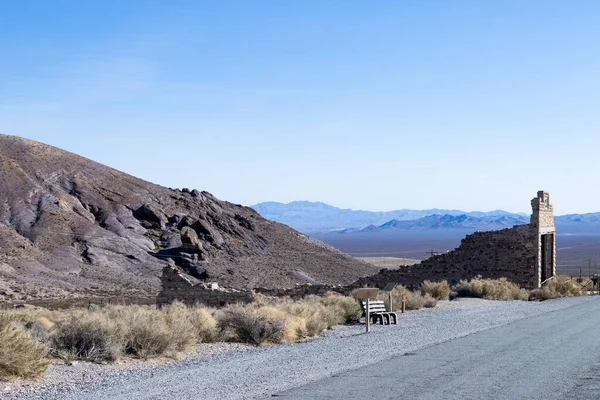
<point x="414" y="300"/>
<point x="437" y="290"/>
<point x="146" y="333"/>
<point x="491" y="289"/>
<point x="247" y="324"/>
<point x="316" y="316"/>
<point x="178" y="319"/>
<point x="557" y="287"/>
<point x="348" y="308"/>
<point x="21" y="356"/>
<point x="87" y="336"/>
<point x="204" y="322"/>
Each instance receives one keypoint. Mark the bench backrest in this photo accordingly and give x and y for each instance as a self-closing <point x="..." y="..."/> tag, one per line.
<point x="375" y="306"/>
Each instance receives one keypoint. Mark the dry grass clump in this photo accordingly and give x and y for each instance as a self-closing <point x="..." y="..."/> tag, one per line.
<point x="347" y="307"/>
<point x="249" y="324"/>
<point x="557" y="287"/>
<point x="204" y="321"/>
<point x="414" y="300"/>
<point x="437" y="290"/>
<point x="21" y="355"/>
<point x="491" y="289"/>
<point x="87" y="336"/>
<point x="317" y="317"/>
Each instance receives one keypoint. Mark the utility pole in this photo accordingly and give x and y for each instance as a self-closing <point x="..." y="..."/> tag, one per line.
<point x="432" y="253"/>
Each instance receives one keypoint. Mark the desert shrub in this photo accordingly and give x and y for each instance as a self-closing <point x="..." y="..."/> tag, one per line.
<point x="21" y="356"/>
<point x="414" y="300"/>
<point x="491" y="289"/>
<point x="204" y="321"/>
<point x="437" y="290"/>
<point x="557" y="287"/>
<point x="37" y="321"/>
<point x="347" y="307"/>
<point x="178" y="319"/>
<point x="87" y="336"/>
<point x="316" y="316"/>
<point x="294" y="327"/>
<point x="429" y="301"/>
<point x="249" y="325"/>
<point x="146" y="333"/>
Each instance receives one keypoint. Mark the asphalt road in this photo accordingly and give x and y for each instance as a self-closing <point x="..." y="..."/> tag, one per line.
<point x="552" y="356"/>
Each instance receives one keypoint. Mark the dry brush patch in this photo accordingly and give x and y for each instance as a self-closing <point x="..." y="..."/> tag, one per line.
<point x="491" y="289"/>
<point x="437" y="290"/>
<point x="110" y="333"/>
<point x="560" y="286"/>
<point x="21" y="355"/>
<point x="414" y="299"/>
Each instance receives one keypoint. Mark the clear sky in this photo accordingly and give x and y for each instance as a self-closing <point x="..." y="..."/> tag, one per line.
<point x="374" y="105"/>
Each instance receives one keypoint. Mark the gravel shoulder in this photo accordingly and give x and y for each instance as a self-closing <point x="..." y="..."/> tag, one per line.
<point x="249" y="373"/>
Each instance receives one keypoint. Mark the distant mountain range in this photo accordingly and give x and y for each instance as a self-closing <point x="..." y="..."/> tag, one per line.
<point x="313" y="217"/>
<point x="448" y="222"/>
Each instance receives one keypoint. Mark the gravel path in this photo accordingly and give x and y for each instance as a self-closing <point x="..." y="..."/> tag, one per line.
<point x="258" y="372"/>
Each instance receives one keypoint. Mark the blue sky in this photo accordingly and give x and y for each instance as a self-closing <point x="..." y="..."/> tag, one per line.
<point x="375" y="105"/>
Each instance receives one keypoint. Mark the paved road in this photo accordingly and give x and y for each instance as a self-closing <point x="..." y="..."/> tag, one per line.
<point x="551" y="356"/>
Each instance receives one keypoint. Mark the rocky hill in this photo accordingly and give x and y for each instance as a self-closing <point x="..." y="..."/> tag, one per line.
<point x="70" y="226"/>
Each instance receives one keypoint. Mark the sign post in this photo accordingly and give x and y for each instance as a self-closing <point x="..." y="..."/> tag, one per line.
<point x="367" y="294"/>
<point x="404" y="298"/>
<point x="388" y="288"/>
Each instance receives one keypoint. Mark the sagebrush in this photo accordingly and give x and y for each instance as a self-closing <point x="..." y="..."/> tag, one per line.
<point x="21" y="355"/>
<point x="560" y="286"/>
<point x="437" y="290"/>
<point x="491" y="289"/>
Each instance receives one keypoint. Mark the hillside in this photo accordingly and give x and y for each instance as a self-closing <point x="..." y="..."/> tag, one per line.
<point x="71" y="226"/>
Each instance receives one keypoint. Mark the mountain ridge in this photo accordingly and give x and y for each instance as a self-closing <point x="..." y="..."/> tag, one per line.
<point x="308" y="218"/>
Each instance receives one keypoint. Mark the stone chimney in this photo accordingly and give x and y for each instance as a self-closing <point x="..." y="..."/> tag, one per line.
<point x="542" y="221"/>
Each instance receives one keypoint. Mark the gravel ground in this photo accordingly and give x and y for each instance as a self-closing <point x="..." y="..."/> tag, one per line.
<point x="251" y="373"/>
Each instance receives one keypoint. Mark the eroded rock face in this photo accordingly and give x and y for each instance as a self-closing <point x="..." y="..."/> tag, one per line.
<point x="69" y="225"/>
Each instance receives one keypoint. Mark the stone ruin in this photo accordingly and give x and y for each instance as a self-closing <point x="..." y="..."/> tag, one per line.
<point x="178" y="286"/>
<point x="524" y="254"/>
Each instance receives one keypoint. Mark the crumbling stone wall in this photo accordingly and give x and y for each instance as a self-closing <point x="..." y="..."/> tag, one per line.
<point x="177" y="286"/>
<point x="506" y="253"/>
<point x="514" y="253"/>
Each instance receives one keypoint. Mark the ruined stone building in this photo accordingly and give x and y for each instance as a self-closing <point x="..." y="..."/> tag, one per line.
<point x="524" y="254"/>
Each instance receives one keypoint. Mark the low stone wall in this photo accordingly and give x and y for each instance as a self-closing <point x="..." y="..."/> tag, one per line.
<point x="301" y="291"/>
<point x="176" y="287"/>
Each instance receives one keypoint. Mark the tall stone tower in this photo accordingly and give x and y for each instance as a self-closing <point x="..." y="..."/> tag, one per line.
<point x="542" y="221"/>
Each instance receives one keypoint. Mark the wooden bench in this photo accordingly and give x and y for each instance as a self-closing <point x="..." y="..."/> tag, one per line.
<point x="377" y="312"/>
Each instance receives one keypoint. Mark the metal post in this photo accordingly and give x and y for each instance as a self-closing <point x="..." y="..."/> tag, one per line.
<point x="368" y="316"/>
<point x="391" y="302"/>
